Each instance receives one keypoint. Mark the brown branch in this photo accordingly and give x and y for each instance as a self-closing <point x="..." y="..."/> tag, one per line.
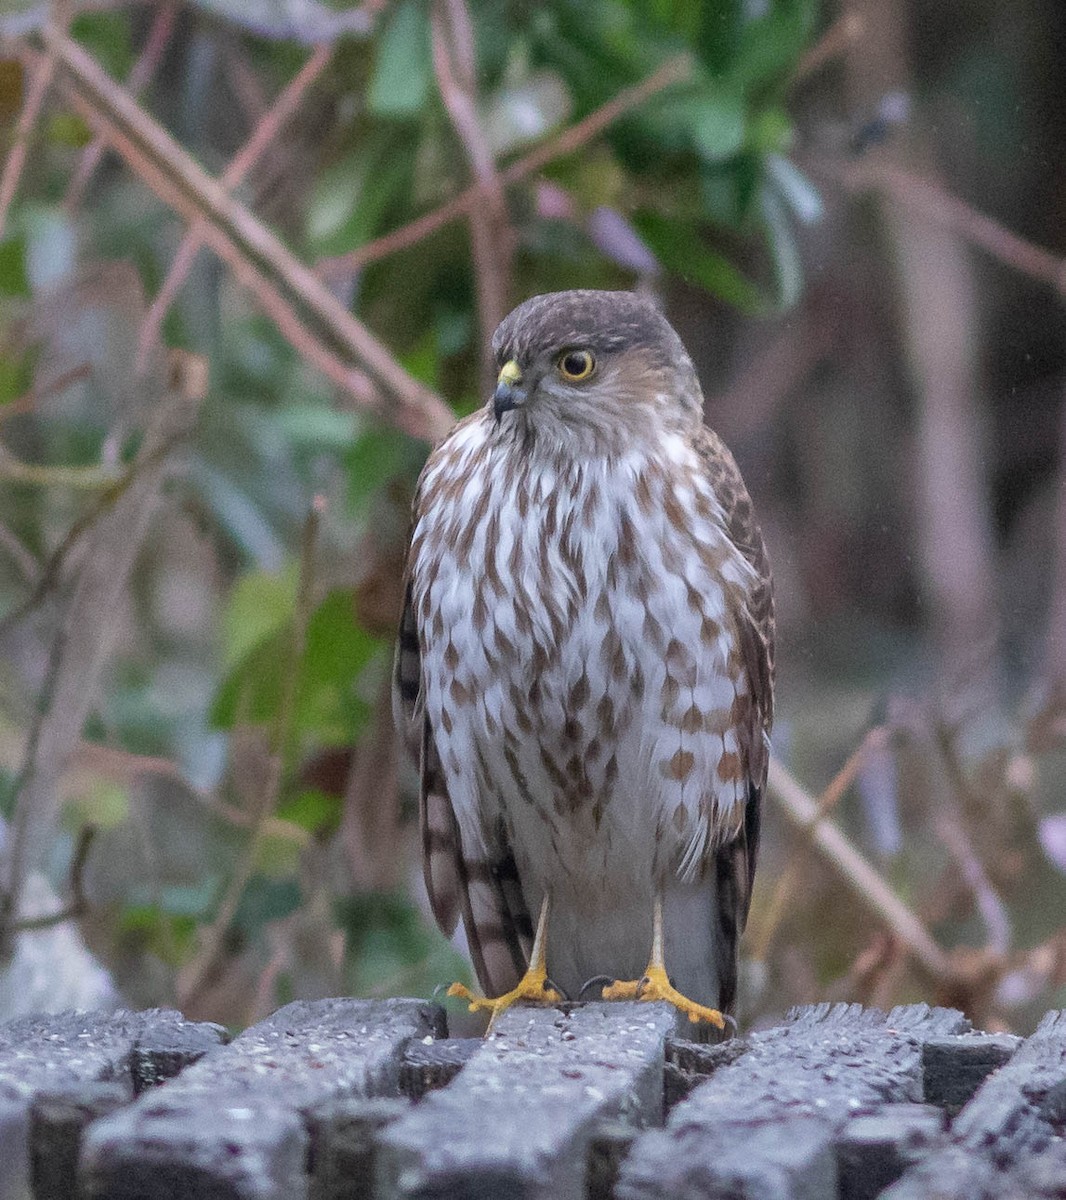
<point x="78" y="905"/>
<point x="29" y="400"/>
<point x="141" y="74"/>
<point x="86" y="635"/>
<point x="826" y="802"/>
<point x="492" y="241"/>
<point x="343" y="266"/>
<point x="940" y="207"/>
<point x="18" y="552"/>
<point x="836" y="40"/>
<point x="41" y="80"/>
<point x="173" y="174"/>
<point x="197" y="974"/>
<point x="266" y="131"/>
<point x="858" y="874"/>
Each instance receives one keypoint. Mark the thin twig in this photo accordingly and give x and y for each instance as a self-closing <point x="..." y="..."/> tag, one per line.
<point x="353" y="382"/>
<point x="492" y="241"/>
<point x="343" y="266"/>
<point x="20" y="555"/>
<point x="825" y="804"/>
<point x="86" y="634"/>
<point x="14" y="470"/>
<point x="198" y="973"/>
<point x="31" y="398"/>
<point x="859" y="875"/>
<point x="78" y="905"/>
<point x="40" y="82"/>
<point x="263" y="136"/>
<point x="141" y="74"/>
<point x="836" y="40"/>
<point x="170" y="171"/>
<point x="940" y="207"/>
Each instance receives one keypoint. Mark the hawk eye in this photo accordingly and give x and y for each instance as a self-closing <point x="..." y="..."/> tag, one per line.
<point x="576" y="365"/>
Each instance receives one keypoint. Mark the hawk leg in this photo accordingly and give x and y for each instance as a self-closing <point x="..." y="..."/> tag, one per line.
<point x="655" y="984"/>
<point x="534" y="984"/>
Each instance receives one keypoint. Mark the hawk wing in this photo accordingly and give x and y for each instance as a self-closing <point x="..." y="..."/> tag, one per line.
<point x="484" y="888"/>
<point x="734" y="860"/>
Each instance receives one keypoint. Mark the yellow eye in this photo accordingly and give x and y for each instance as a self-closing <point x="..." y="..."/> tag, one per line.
<point x="576" y="365"/>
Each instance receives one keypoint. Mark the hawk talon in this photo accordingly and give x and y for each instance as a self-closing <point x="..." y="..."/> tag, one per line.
<point x="599" y="981"/>
<point x="534" y="986"/>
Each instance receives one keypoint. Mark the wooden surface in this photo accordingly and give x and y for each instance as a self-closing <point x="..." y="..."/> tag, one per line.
<point x="371" y="1100"/>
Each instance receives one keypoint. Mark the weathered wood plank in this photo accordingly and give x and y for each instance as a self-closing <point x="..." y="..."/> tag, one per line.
<point x="57" y="1122"/>
<point x="519" y="1119"/>
<point x="345" y="1135"/>
<point x="874" y="1150"/>
<point x="430" y="1064"/>
<point x="764" y="1126"/>
<point x="954" y="1068"/>
<point x="62" y="1051"/>
<point x="233" y="1125"/>
<point x="1019" y="1112"/>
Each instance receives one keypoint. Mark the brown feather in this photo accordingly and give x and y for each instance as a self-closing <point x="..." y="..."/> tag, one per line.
<point x="735" y="860"/>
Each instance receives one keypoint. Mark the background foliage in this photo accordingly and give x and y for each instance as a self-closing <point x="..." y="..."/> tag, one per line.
<point x="203" y="497"/>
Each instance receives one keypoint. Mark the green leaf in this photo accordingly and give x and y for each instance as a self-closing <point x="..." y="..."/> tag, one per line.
<point x="266" y="900"/>
<point x="13" y="278"/>
<point x="719" y="31"/>
<point x="717" y="122"/>
<point x="68" y="129"/>
<point x="313" y="810"/>
<point x="400" y="82"/>
<point x="260" y="604"/>
<point x="353" y="195"/>
<point x="788" y="265"/>
<point x="326" y="703"/>
<point x="795" y="189"/>
<point x="315" y="426"/>
<point x="681" y="250"/>
<point x="376" y="456"/>
<point x="770" y="46"/>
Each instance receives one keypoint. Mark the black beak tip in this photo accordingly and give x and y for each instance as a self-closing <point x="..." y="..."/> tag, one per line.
<point x="504" y="398"/>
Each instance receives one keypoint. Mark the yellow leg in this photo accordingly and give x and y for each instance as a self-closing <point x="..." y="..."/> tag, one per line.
<point x="534" y="984"/>
<point x="655" y="984"/>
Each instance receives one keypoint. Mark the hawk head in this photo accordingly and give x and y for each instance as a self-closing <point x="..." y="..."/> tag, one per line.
<point x="591" y="369"/>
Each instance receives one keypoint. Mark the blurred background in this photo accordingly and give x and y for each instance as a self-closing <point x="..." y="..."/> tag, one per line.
<point x="251" y="253"/>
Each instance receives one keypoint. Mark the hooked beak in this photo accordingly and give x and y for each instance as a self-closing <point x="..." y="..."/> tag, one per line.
<point x="509" y="392"/>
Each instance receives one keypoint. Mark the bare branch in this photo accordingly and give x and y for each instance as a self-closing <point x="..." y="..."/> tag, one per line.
<point x="264" y="134"/>
<point x="29" y="400"/>
<point x="141" y="74"/>
<point x="858" y="874"/>
<point x="23" y="558"/>
<point x="197" y="975"/>
<point x="79" y="904"/>
<point x="343" y="266"/>
<point x="492" y="241"/>
<point x="826" y="802"/>
<point x="40" y="81"/>
<point x="173" y="174"/>
<point x="847" y="28"/>
<point x="939" y="207"/>
<point x="86" y="636"/>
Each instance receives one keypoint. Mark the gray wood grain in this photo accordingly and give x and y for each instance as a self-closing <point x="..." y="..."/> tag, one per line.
<point x="520" y="1118"/>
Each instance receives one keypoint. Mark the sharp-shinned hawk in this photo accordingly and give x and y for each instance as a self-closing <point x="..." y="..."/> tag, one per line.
<point x="585" y="667"/>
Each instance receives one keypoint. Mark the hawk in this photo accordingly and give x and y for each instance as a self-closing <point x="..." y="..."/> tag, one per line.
<point x="585" y="668"/>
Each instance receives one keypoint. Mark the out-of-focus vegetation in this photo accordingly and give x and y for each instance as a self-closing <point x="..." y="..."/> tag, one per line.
<point x="250" y="256"/>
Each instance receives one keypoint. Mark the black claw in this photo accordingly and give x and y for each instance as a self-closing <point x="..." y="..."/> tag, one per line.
<point x="600" y="981"/>
<point x="731" y="1022"/>
<point x="551" y="985"/>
